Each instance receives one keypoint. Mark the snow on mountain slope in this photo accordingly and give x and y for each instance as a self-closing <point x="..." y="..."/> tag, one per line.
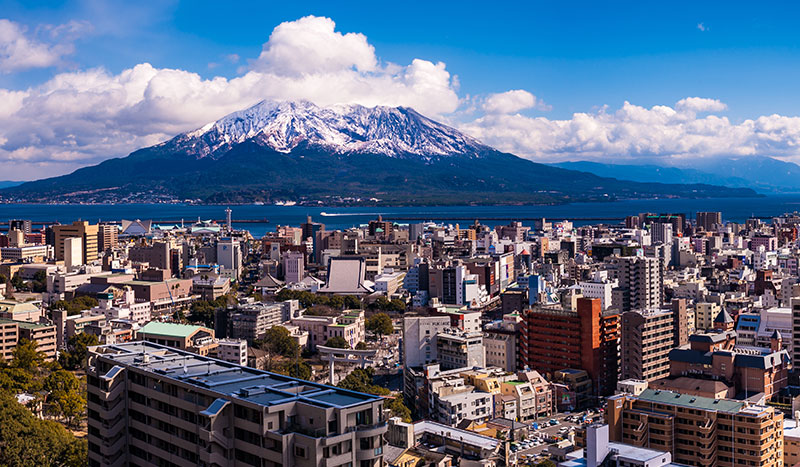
<point x="283" y="126"/>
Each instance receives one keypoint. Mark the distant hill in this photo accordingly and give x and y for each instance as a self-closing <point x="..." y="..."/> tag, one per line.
<point x="761" y="173"/>
<point x="340" y="154"/>
<point x="9" y="183"/>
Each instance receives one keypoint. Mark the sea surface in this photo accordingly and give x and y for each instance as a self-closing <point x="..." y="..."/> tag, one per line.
<point x="267" y="217"/>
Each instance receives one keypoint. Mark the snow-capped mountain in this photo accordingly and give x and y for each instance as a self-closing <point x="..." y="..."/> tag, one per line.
<point x="345" y="129"/>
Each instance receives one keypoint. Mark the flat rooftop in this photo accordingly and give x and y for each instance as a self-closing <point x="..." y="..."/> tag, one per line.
<point x="228" y="379"/>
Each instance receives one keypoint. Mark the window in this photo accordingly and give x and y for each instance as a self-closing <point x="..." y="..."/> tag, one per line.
<point x="300" y="451"/>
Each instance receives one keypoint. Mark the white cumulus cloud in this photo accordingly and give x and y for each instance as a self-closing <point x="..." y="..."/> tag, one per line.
<point x="634" y="132"/>
<point x="510" y="102"/>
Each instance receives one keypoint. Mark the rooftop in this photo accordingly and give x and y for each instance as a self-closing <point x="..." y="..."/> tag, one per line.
<point x="169" y="329"/>
<point x="695" y="402"/>
<point x="227" y="379"/>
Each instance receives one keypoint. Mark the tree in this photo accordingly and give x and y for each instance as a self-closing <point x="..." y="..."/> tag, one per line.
<point x="296" y="369"/>
<point x="546" y="463"/>
<point x="40" y="281"/>
<point x="61" y="380"/>
<point x="75" y="356"/>
<point x="70" y="404"/>
<point x="75" y="305"/>
<point x="360" y="380"/>
<point x="380" y="324"/>
<point x="351" y="302"/>
<point x="361" y="346"/>
<point x="26" y="440"/>
<point x="17" y="282"/>
<point x="26" y="357"/>
<point x="278" y="343"/>
<point x="399" y="409"/>
<point x="337" y="342"/>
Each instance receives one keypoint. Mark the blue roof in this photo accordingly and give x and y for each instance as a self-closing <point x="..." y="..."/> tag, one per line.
<point x="232" y="381"/>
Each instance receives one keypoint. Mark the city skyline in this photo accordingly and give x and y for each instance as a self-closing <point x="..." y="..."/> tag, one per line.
<point x="85" y="81"/>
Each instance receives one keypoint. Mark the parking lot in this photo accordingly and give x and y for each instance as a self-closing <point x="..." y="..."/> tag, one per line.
<point x="535" y="449"/>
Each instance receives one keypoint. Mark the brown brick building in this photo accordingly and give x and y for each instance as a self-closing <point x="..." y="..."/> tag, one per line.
<point x="698" y="431"/>
<point x="554" y="339"/>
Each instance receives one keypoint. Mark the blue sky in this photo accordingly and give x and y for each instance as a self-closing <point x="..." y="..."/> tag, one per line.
<point x="579" y="57"/>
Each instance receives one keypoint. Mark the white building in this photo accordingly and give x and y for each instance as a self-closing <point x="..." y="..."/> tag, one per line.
<point x="73" y="252"/>
<point x="293" y="267"/>
<point x="229" y="256"/>
<point x="600" y="287"/>
<point x="232" y="350"/>
<point x="419" y="343"/>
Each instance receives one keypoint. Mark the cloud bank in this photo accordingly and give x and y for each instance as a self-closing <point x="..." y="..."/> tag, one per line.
<point x="80" y="117"/>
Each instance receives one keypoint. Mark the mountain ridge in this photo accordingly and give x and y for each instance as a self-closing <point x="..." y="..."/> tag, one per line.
<point x="335" y="155"/>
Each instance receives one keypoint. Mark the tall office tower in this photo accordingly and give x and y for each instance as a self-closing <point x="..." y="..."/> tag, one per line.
<point x="681" y="327"/>
<point x="20" y="224"/>
<point x="707" y="220"/>
<point x="641" y="283"/>
<point x="311" y="230"/>
<point x="78" y="229"/>
<point x="107" y="237"/>
<point x="150" y="404"/>
<point x="554" y="339"/>
<point x="229" y="256"/>
<point x="647" y="338"/>
<point x="662" y="232"/>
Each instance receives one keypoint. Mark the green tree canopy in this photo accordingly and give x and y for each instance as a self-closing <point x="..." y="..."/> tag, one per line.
<point x="380" y="324"/>
<point x="337" y="342"/>
<point x="26" y="440"/>
<point x="26" y="356"/>
<point x="360" y="380"/>
<point x="361" y="346"/>
<point x="76" y="305"/>
<point x="74" y="357"/>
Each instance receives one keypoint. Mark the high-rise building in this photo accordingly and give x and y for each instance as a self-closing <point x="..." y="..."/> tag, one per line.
<point x="698" y="430"/>
<point x="20" y="224"/>
<point x="554" y="339"/>
<point x="708" y="220"/>
<point x="107" y="236"/>
<point x="78" y="229"/>
<point x="229" y="256"/>
<point x="647" y="338"/>
<point x="641" y="282"/>
<point x="154" y="405"/>
<point x="311" y="230"/>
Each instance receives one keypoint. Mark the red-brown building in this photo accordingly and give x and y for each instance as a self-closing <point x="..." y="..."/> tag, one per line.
<point x="555" y="339"/>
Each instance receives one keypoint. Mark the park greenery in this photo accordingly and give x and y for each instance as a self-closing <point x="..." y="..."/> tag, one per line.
<point x="360" y="380"/>
<point x="337" y="342"/>
<point x="308" y="299"/>
<point x="26" y="439"/>
<point x="203" y="311"/>
<point x="380" y="324"/>
<point x="74" y="357"/>
<point x="75" y="305"/>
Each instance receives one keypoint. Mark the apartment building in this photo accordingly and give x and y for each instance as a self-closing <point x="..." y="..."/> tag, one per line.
<point x="697" y="430"/>
<point x="554" y="339"/>
<point x="419" y="343"/>
<point x="252" y="320"/>
<point x="350" y="326"/>
<point x="500" y="342"/>
<point x="641" y="282"/>
<point x="531" y="395"/>
<point x="704" y="314"/>
<point x="459" y="349"/>
<point x="647" y="338"/>
<point x="154" y="405"/>
<point x="78" y="229"/>
<point x="12" y="331"/>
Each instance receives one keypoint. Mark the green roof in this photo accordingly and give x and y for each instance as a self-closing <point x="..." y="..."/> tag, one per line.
<point x="686" y="400"/>
<point x="169" y="329"/>
<point x="515" y="383"/>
